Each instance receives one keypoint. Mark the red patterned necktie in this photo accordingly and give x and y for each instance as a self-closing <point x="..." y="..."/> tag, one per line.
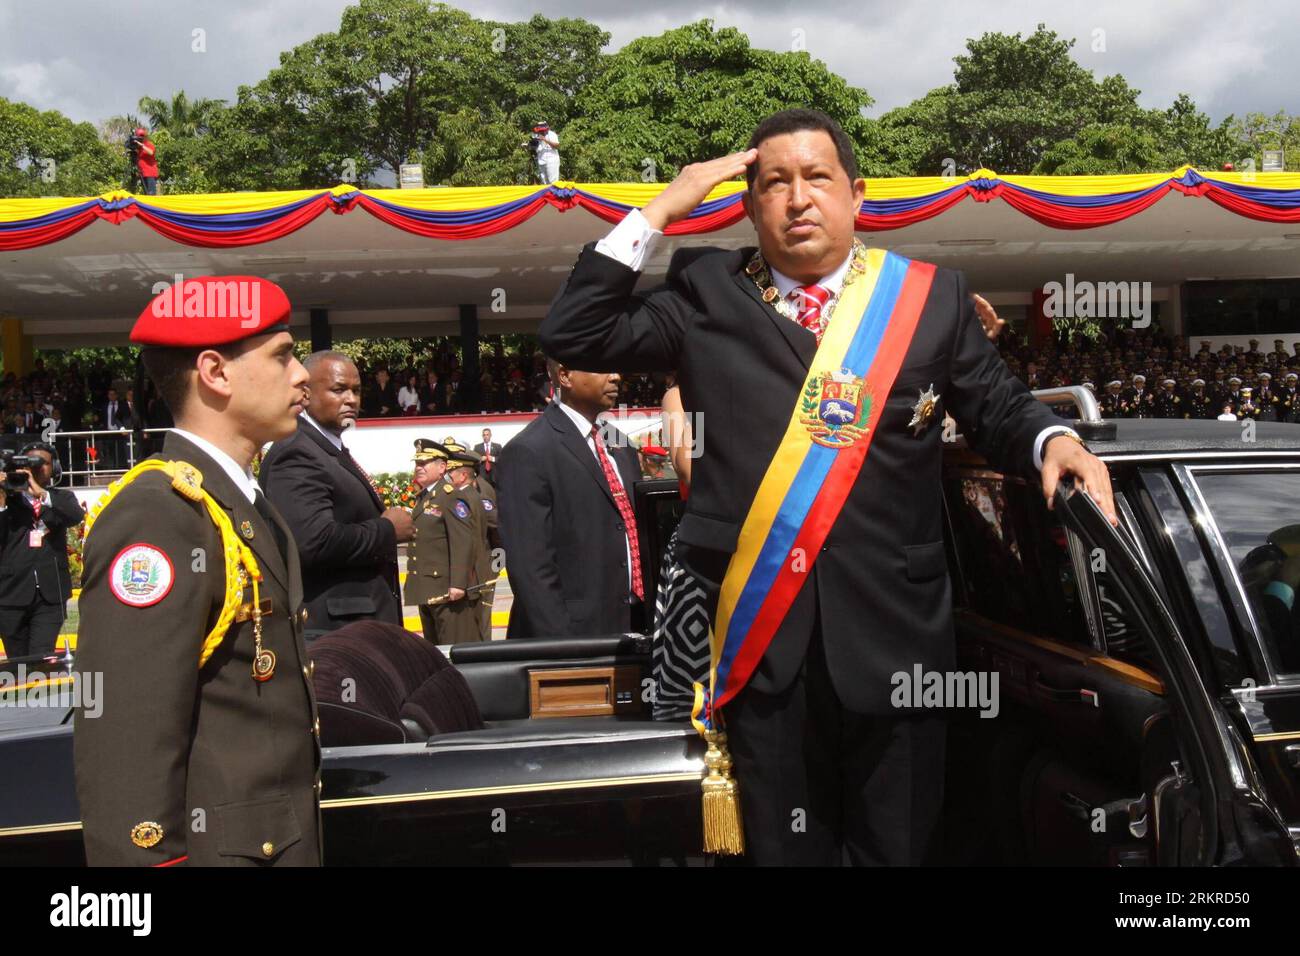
<point x="624" y="510"/>
<point x="813" y="299"/>
<point x="364" y="474"/>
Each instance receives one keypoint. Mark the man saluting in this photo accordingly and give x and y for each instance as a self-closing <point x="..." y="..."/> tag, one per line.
<point x="207" y="749"/>
<point x="823" y="370"/>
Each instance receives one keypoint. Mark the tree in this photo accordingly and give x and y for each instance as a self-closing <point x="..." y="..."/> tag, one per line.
<point x="46" y="154"/>
<point x="180" y="116"/>
<point x="404" y="80"/>
<point x="1011" y="100"/>
<point x="1256" y="132"/>
<point x="694" y="93"/>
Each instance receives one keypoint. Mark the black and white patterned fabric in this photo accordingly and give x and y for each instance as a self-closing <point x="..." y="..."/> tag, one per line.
<point x="681" y="638"/>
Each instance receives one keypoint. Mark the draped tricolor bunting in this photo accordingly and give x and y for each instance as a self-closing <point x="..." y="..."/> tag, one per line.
<point x="241" y="219"/>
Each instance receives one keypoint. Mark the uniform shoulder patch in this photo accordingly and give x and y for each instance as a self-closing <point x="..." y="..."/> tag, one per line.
<point x="448" y="488"/>
<point x="487" y="504"/>
<point x="461" y="509"/>
<point x="141" y="575"/>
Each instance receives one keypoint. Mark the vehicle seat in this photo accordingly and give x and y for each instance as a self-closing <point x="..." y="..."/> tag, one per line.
<point x="378" y="683"/>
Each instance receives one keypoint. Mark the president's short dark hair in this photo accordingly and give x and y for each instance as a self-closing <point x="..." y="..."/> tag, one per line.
<point x="793" y="121"/>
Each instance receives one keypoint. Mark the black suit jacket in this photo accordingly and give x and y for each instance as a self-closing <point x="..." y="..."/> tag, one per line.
<point x="22" y="567"/>
<point x="565" y="543"/>
<point x="349" y="553"/>
<point x="880" y="583"/>
<point x="122" y="419"/>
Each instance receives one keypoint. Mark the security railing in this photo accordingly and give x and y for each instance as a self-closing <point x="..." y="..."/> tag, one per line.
<point x="97" y="457"/>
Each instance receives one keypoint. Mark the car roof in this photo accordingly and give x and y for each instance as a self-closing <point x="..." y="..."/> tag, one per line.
<point x="1157" y="437"/>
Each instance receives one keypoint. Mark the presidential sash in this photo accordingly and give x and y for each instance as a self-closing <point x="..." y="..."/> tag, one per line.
<point x="824" y="447"/>
<point x="801" y="494"/>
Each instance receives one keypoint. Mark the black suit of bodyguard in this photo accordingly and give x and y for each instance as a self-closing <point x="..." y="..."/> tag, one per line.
<point x="814" y="732"/>
<point x="563" y="532"/>
<point x="348" y="551"/>
<point x="205" y="765"/>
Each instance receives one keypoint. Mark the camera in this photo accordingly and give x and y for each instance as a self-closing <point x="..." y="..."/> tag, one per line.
<point x="534" y="143"/>
<point x="18" y="469"/>
<point x="133" y="144"/>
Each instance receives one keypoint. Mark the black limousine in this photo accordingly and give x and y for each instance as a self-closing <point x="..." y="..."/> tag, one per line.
<point x="1148" y="707"/>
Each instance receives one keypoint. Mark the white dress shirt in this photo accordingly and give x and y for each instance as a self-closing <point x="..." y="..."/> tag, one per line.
<point x="631" y="241"/>
<point x="332" y="438"/>
<point x="242" y="477"/>
<point x="584" y="428"/>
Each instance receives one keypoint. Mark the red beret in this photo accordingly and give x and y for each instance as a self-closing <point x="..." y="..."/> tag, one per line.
<point x="212" y="310"/>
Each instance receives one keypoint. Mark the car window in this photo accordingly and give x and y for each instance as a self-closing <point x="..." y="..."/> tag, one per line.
<point x="1015" y="558"/>
<point x="1122" y="628"/>
<point x="1258" y="517"/>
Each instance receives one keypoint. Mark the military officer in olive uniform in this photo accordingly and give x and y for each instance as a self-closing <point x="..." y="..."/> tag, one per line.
<point x="206" y="749"/>
<point x="439" y="559"/>
<point x="460" y="473"/>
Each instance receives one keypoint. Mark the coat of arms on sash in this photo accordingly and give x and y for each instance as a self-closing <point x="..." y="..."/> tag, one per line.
<point x="835" y="408"/>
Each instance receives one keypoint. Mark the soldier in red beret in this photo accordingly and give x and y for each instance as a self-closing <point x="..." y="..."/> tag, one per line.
<point x="206" y="748"/>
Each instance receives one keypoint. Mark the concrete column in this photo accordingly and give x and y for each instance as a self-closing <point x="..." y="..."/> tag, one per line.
<point x="15" y="347"/>
<point x="470" y="371"/>
<point x="322" y="336"/>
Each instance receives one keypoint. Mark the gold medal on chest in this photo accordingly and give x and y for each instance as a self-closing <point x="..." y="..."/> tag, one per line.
<point x="264" y="665"/>
<point x="246" y="529"/>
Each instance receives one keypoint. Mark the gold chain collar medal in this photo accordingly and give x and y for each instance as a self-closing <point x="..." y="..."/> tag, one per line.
<point x="758" y="270"/>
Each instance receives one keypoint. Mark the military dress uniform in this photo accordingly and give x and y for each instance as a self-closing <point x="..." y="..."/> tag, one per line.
<point x="1200" y="405"/>
<point x="1139" y="403"/>
<point x="1288" y="400"/>
<point x="1168" y="403"/>
<point x="1112" y="402"/>
<point x="207" y="748"/>
<point x="439" y="556"/>
<point x="484" y="522"/>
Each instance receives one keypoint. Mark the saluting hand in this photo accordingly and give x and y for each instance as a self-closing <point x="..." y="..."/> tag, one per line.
<point x="993" y="325"/>
<point x="690" y="187"/>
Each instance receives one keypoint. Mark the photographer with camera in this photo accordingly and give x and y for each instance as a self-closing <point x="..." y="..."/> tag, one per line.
<point x="544" y="144"/>
<point x="144" y="155"/>
<point x="35" y="583"/>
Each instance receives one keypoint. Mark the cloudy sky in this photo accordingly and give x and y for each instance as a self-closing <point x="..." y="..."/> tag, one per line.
<point x="92" y="59"/>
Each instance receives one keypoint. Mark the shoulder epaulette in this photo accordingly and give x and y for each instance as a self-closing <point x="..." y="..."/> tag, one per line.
<point x="240" y="564"/>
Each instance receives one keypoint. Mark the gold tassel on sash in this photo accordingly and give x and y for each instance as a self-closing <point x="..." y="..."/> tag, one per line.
<point x="723" y="832"/>
<point x="723" y="829"/>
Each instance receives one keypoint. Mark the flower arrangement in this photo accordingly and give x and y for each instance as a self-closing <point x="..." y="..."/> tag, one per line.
<point x="76" y="542"/>
<point x="396" y="490"/>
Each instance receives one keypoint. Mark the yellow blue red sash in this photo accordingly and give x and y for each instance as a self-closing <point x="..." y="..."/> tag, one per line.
<point x="807" y="482"/>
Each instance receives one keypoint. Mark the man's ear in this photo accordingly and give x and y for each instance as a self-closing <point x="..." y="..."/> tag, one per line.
<point x="214" y="372"/>
<point x="745" y="204"/>
<point x="859" y="194"/>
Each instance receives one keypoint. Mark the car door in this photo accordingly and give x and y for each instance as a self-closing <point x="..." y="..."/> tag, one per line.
<point x="1058" y="776"/>
<point x="1208" y="805"/>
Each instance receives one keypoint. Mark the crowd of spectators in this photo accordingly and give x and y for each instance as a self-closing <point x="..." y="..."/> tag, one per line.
<point x="1146" y="374"/>
<point x="96" y="397"/>
<point x="507" y="381"/>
